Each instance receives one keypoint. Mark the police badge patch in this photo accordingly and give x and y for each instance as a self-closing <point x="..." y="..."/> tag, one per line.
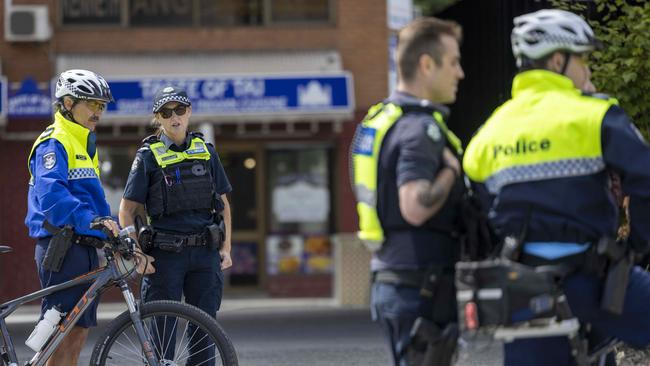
<point x="434" y="132"/>
<point x="49" y="160"/>
<point x="136" y="163"/>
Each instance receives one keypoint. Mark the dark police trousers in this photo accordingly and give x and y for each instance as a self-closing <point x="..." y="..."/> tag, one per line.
<point x="583" y="293"/>
<point x="196" y="273"/>
<point x="395" y="308"/>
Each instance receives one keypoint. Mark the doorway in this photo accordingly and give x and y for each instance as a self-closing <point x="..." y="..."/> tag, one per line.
<point x="244" y="166"/>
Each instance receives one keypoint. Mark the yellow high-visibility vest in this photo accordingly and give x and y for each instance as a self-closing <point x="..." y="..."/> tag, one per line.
<point x="365" y="160"/>
<point x="74" y="138"/>
<point x="548" y="130"/>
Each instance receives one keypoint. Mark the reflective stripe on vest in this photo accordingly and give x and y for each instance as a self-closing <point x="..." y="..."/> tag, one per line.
<point x="74" y="138"/>
<point x="164" y="157"/>
<point x="365" y="161"/>
<point x="532" y="137"/>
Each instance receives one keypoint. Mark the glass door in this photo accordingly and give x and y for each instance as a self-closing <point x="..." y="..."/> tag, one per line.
<point x="243" y="165"/>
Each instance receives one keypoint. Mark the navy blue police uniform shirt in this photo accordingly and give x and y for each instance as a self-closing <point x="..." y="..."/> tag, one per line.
<point x="411" y="150"/>
<point x="137" y="187"/>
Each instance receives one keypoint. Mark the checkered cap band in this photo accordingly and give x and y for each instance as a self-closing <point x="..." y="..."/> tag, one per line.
<point x="81" y="173"/>
<point x="175" y="96"/>
<point x="551" y="170"/>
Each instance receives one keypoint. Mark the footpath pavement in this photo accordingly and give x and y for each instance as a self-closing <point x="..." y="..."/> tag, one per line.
<point x="282" y="332"/>
<point x="109" y="311"/>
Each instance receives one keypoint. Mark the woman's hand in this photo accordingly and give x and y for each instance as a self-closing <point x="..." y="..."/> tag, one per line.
<point x="226" y="261"/>
<point x="141" y="260"/>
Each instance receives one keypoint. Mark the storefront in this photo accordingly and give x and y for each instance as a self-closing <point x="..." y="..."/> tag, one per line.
<point x="275" y="135"/>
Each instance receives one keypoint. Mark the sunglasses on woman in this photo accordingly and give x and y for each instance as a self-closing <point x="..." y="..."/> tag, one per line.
<point x="167" y="112"/>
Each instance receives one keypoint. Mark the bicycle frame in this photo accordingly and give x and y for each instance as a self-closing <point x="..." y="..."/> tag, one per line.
<point x="101" y="279"/>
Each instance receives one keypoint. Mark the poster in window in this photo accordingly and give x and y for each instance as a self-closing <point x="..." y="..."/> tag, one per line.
<point x="301" y="201"/>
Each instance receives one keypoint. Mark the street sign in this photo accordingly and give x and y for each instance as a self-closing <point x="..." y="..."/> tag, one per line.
<point x="239" y="95"/>
<point x="3" y="98"/>
<point x="30" y="101"/>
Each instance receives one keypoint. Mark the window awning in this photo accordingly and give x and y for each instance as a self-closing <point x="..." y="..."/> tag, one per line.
<point x="166" y="63"/>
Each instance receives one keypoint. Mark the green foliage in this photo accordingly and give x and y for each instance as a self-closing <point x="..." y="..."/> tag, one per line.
<point x="432" y="7"/>
<point x="622" y="67"/>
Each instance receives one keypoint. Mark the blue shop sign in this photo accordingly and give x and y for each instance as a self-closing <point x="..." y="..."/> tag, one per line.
<point x="30" y="101"/>
<point x="3" y="96"/>
<point x="246" y="95"/>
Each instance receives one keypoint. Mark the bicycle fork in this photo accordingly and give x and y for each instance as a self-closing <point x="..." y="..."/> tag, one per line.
<point x="134" y="312"/>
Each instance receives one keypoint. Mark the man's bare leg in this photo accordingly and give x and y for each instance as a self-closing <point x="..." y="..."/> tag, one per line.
<point x="68" y="352"/>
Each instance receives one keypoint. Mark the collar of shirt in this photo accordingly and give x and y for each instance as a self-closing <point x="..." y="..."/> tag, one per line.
<point x="539" y="81"/>
<point x="170" y="145"/>
<point x="84" y="136"/>
<point x="405" y="99"/>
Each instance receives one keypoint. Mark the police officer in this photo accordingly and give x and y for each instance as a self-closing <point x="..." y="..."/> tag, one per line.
<point x="178" y="182"/>
<point x="406" y="179"/>
<point x="542" y="160"/>
<point x="65" y="196"/>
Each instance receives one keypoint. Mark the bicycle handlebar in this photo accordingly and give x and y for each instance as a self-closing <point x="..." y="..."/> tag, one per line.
<point x="122" y="243"/>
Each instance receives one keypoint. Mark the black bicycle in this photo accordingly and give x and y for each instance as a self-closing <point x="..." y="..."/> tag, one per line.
<point x="159" y="333"/>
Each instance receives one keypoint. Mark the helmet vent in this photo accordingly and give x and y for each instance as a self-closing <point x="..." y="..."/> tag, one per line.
<point x="568" y="29"/>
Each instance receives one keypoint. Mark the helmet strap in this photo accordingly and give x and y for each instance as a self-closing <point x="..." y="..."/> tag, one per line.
<point x="67" y="113"/>
<point x="567" y="58"/>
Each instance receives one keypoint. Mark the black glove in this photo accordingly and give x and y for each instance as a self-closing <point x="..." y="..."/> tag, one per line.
<point x="98" y="224"/>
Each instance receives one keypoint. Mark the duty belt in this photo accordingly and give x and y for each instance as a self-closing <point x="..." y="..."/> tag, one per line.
<point x="404" y="278"/>
<point x="189" y="240"/>
<point x="87" y="240"/>
<point x="76" y="238"/>
<point x="589" y="261"/>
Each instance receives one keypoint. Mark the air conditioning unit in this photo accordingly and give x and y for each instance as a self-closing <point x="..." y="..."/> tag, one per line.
<point x="27" y="23"/>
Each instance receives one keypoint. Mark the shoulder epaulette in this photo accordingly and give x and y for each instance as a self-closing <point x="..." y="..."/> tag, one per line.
<point x="197" y="134"/>
<point x="150" y="139"/>
<point x="48" y="131"/>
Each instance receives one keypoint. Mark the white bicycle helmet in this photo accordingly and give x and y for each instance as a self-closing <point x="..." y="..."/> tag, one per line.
<point x="543" y="32"/>
<point x="83" y="84"/>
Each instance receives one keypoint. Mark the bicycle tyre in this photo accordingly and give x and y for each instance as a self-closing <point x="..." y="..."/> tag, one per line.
<point x="207" y="324"/>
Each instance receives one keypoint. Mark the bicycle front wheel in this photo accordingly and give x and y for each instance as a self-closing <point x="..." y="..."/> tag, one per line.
<point x="181" y="335"/>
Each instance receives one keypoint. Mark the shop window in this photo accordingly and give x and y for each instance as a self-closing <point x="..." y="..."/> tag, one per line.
<point x="91" y="12"/>
<point x="298" y="246"/>
<point x="230" y="12"/>
<point x="283" y="11"/>
<point x="167" y="13"/>
<point x="191" y="13"/>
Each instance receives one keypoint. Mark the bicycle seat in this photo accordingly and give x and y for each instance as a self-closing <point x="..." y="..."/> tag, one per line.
<point x="4" y="249"/>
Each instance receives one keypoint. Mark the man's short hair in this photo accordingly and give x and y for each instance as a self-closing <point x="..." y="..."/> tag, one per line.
<point x="422" y="36"/>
